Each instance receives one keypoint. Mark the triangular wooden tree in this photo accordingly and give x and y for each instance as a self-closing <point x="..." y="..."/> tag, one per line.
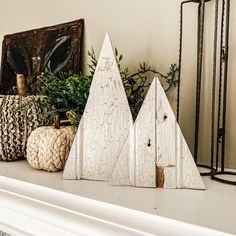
<point x="105" y="124"/>
<point x="156" y="153"/>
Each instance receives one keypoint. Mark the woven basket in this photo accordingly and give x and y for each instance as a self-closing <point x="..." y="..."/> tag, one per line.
<point x="15" y="127"/>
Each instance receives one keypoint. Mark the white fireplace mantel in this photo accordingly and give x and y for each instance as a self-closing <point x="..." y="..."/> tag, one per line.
<point x="33" y="209"/>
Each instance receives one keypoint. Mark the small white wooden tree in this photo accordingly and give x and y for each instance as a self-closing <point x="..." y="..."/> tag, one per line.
<point x="156" y="153"/>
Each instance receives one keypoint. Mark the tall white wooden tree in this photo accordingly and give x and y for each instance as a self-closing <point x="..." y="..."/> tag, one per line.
<point x="156" y="153"/>
<point x="105" y="124"/>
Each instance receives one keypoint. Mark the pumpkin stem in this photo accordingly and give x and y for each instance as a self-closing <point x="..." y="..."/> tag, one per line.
<point x="20" y="82"/>
<point x="57" y="121"/>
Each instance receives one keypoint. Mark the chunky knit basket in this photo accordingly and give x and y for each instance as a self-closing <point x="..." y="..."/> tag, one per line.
<point x="15" y="127"/>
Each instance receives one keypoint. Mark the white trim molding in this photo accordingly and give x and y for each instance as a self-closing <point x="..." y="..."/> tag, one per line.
<point x="29" y="209"/>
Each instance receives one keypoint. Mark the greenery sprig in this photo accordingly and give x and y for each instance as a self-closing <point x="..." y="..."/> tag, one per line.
<point x="67" y="93"/>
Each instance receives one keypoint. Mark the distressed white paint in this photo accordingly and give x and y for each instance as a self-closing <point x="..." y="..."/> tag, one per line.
<point x="145" y="153"/>
<point x="108" y="146"/>
<point x="189" y="176"/>
<point x="173" y="153"/>
<point x="165" y="128"/>
<point x="138" y="156"/>
<point x="74" y="164"/>
<point x="106" y="123"/>
<point x="158" y="141"/>
<point x="123" y="173"/>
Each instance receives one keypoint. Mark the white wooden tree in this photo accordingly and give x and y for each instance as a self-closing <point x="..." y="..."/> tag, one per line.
<point x="108" y="146"/>
<point x="156" y="153"/>
<point x="105" y="124"/>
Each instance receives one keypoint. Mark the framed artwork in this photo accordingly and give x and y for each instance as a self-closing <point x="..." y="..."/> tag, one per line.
<point x="29" y="53"/>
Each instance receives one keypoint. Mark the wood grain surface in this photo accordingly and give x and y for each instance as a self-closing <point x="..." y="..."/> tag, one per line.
<point x="108" y="146"/>
<point x="106" y="124"/>
<point x="156" y="153"/>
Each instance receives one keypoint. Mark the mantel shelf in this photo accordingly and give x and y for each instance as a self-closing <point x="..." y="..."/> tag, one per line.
<point x="190" y="206"/>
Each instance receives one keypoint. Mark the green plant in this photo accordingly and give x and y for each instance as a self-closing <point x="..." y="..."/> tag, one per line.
<point x="67" y="94"/>
<point x="63" y="94"/>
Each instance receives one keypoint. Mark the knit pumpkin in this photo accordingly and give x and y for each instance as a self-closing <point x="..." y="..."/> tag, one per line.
<point x="48" y="147"/>
<point x="15" y="127"/>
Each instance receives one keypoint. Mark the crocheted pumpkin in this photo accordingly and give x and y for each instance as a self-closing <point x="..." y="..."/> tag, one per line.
<point x="48" y="147"/>
<point x="15" y="127"/>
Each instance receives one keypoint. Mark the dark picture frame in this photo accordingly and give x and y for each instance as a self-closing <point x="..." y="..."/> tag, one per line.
<point x="30" y="52"/>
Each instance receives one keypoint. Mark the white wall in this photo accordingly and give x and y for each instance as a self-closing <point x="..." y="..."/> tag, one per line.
<point x="143" y="30"/>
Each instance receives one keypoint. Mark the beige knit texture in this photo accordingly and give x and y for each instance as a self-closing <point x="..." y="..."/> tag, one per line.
<point x="48" y="148"/>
